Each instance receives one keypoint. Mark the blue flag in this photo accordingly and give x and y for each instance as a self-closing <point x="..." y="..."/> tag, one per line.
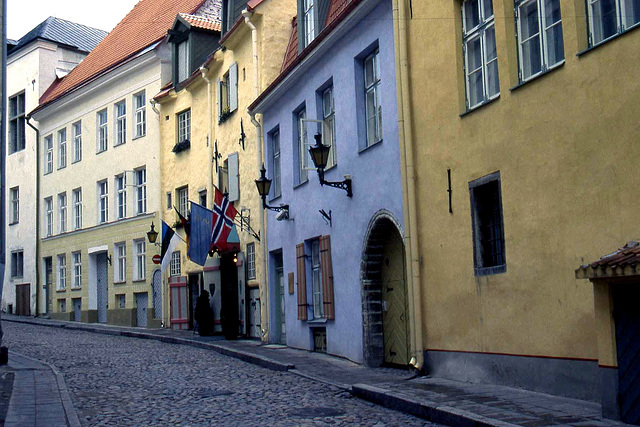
<point x="200" y="238"/>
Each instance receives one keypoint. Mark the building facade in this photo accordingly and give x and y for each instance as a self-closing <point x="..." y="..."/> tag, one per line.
<point x="50" y="50"/>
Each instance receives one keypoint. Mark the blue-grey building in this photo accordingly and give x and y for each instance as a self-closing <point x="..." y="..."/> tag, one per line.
<point x="336" y="263"/>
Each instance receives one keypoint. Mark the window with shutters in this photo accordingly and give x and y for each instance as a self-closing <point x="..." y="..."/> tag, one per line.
<point x="314" y="266"/>
<point x="228" y="93"/>
<point x="488" y="227"/>
<point x="62" y="148"/>
<point x="48" y="154"/>
<point x="316" y="280"/>
<point x="17" y="123"/>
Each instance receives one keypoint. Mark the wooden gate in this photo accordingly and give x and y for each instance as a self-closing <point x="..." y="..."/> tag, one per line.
<point x="142" y="303"/>
<point x="23" y="299"/>
<point x="626" y="314"/>
<point x="179" y="302"/>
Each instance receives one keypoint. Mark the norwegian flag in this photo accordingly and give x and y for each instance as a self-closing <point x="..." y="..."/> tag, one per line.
<point x="223" y="214"/>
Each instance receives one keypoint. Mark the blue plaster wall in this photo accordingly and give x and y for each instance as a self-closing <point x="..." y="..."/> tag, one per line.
<point x="375" y="172"/>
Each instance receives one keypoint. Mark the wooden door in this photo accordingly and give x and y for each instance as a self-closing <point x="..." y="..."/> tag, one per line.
<point x="23" y="299"/>
<point x="626" y="314"/>
<point x="179" y="302"/>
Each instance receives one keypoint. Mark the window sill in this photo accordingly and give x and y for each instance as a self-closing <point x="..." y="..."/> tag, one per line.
<point x="139" y="280"/>
<point x="99" y="152"/>
<point x="78" y="288"/>
<point x="139" y="136"/>
<point x="362" y="150"/>
<point x="48" y="173"/>
<point x="181" y="146"/>
<point x="17" y="277"/>
<point x="14" y="223"/>
<point x="120" y="283"/>
<point x="539" y="75"/>
<point x="489" y="271"/>
<point x="317" y="322"/>
<point x="603" y="42"/>
<point x="61" y="291"/>
<point x="62" y="167"/>
<point x="225" y="116"/>
<point x="76" y="161"/>
<point x="477" y="107"/>
<point x="118" y="145"/>
<point x="295" y="187"/>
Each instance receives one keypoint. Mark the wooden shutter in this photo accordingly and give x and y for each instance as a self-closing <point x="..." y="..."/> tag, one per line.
<point x="233" y="173"/>
<point x="327" y="277"/>
<point x="233" y="87"/>
<point x="219" y="86"/>
<point x="302" y="282"/>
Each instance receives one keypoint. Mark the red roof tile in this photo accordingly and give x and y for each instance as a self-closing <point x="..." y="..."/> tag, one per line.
<point x="201" y="22"/>
<point x="292" y="48"/>
<point x="144" y="25"/>
<point x="623" y="262"/>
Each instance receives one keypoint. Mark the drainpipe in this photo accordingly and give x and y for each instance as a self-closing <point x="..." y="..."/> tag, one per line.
<point x="153" y="103"/>
<point x="256" y="91"/>
<point x="37" y="261"/>
<point x="3" y="154"/>
<point x="203" y="73"/>
<point x="400" y="17"/>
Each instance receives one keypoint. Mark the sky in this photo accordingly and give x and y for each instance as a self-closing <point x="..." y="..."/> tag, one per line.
<point x="24" y="15"/>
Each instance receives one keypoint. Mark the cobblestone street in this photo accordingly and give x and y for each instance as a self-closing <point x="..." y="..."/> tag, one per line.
<point x="117" y="380"/>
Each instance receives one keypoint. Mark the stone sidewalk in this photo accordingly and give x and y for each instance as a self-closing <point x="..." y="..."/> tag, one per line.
<point x="437" y="400"/>
<point x="39" y="397"/>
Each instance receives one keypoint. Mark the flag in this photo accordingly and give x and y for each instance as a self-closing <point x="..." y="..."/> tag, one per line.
<point x="223" y="214"/>
<point x="200" y="233"/>
<point x="169" y="242"/>
<point x="186" y="224"/>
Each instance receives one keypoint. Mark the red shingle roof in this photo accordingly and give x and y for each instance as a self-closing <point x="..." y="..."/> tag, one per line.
<point x="201" y="22"/>
<point x="144" y="25"/>
<point x="292" y="48"/>
<point x="623" y="262"/>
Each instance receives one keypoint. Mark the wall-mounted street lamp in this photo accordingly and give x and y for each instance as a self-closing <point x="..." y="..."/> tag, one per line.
<point x="264" y="185"/>
<point x="320" y="156"/>
<point x="152" y="234"/>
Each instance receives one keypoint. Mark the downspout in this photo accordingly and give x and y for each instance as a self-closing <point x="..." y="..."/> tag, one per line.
<point x="256" y="91"/>
<point x="37" y="261"/>
<point x="203" y="73"/>
<point x="405" y="131"/>
<point x="153" y="103"/>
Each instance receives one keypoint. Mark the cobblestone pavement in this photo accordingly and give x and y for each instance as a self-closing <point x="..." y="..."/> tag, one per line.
<point x="117" y="380"/>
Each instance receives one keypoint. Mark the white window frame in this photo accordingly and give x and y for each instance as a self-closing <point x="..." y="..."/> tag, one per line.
<point x="141" y="190"/>
<point x="48" y="154"/>
<point x="622" y="25"/>
<point x="77" y="141"/>
<point x="120" y="269"/>
<point x="486" y="24"/>
<point x="62" y="206"/>
<point x="120" y="182"/>
<point x="276" y="164"/>
<point x="77" y="208"/>
<point x="102" y="131"/>
<point x="62" y="148"/>
<point x="183" y="200"/>
<point x="15" y="205"/>
<point x="309" y="21"/>
<point x="48" y="208"/>
<point x="103" y="201"/>
<point x="76" y="258"/>
<point x="372" y="88"/>
<point x="175" y="265"/>
<point x="17" y="122"/>
<point x="329" y="125"/>
<point x="120" y="130"/>
<point x="316" y="280"/>
<point x="17" y="264"/>
<point x="62" y="272"/>
<point x="303" y="146"/>
<point x="140" y="266"/>
<point x="140" y="114"/>
<point x="251" y="261"/>
<point x="184" y="126"/>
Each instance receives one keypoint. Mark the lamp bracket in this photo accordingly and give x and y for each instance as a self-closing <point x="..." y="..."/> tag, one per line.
<point x="344" y="185"/>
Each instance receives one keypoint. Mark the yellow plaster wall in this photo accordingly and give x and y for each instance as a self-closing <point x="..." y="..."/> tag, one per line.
<point x="566" y="148"/>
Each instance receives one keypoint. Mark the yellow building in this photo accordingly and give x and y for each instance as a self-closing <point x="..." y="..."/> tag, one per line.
<point x="518" y="127"/>
<point x="214" y="93"/>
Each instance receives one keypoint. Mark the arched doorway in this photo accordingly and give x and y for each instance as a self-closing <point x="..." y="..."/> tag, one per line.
<point x="384" y="294"/>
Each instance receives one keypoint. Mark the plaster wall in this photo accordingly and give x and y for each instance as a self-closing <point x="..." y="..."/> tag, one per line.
<point x="375" y="172"/>
<point x="564" y="144"/>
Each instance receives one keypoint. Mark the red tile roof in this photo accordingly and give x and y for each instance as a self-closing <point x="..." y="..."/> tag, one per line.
<point x="144" y="25"/>
<point x="623" y="262"/>
<point x="292" y="48"/>
<point x="201" y="22"/>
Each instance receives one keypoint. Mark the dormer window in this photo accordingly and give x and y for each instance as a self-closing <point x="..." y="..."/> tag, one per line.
<point x="308" y="21"/>
<point x="182" y="60"/>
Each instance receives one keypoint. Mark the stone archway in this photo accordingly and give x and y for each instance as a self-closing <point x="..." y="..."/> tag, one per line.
<point x="383" y="231"/>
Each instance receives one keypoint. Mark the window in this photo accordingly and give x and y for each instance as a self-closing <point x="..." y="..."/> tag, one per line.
<point x="120" y="270"/>
<point x="228" y="93"/>
<point x="316" y="274"/>
<point x="480" y="55"/>
<point x="175" y="264"/>
<point x="610" y="17"/>
<point x="140" y="115"/>
<point x="183" y="60"/>
<point x="276" y="175"/>
<point x="251" y="261"/>
<point x="184" y="126"/>
<point x="62" y="205"/>
<point x="121" y="196"/>
<point x="15" y="205"/>
<point x="103" y="202"/>
<point x="102" y="131"/>
<point x="540" y="43"/>
<point x="77" y="208"/>
<point x="121" y="123"/>
<point x="121" y="298"/>
<point x="303" y="147"/>
<point x="183" y="201"/>
<point x="373" y="107"/>
<point x="17" y="264"/>
<point x="77" y="141"/>
<point x="140" y="260"/>
<point x="141" y="190"/>
<point x="62" y="272"/>
<point x="48" y="154"/>
<point x="76" y="257"/>
<point x="329" y="125"/>
<point x="62" y="148"/>
<point x="48" y="208"/>
<point x="488" y="229"/>
<point x="202" y="196"/>
<point x="169" y="201"/>
<point x="62" y="305"/>
<point x="16" y="123"/>
<point x="309" y="21"/>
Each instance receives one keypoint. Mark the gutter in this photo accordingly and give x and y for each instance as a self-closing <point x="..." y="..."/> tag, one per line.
<point x="405" y="131"/>
<point x="259" y="161"/>
<point x="37" y="152"/>
<point x="203" y="71"/>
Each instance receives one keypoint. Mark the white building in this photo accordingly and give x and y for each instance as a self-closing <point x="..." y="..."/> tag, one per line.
<point x="49" y="51"/>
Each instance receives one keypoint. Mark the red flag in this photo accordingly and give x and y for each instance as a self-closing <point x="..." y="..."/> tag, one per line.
<point x="223" y="214"/>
